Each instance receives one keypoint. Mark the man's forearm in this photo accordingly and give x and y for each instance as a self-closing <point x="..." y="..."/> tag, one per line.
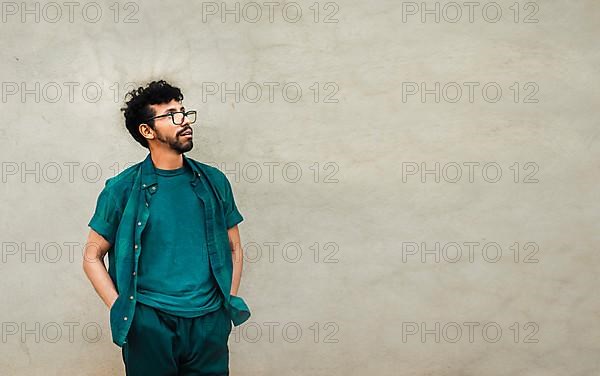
<point x="95" y="269"/>
<point x="237" y="258"/>
<point x="238" y="262"/>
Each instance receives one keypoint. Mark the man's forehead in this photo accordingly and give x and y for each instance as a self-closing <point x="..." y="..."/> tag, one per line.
<point x="164" y="106"/>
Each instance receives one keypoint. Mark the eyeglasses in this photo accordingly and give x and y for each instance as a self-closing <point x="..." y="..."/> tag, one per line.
<point x="178" y="116"/>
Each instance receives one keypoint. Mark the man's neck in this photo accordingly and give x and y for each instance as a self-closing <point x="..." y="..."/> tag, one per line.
<point x="166" y="159"/>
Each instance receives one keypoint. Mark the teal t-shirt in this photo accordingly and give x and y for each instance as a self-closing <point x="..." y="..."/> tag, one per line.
<point x="174" y="273"/>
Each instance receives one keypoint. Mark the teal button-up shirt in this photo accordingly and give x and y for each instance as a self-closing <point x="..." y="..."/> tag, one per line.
<point x="121" y="214"/>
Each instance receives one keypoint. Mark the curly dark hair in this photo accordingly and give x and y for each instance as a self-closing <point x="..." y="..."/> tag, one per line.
<point x="137" y="108"/>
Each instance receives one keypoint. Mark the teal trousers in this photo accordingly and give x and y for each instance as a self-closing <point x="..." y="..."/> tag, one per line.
<point x="159" y="344"/>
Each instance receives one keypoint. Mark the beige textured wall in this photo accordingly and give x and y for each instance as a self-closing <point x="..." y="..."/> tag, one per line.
<point x="377" y="214"/>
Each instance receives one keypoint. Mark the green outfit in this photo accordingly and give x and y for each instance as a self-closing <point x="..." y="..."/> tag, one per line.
<point x="122" y="216"/>
<point x="165" y="345"/>
<point x="174" y="273"/>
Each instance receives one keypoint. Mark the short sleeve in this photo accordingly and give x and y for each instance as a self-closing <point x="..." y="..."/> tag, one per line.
<point x="232" y="214"/>
<point x="107" y="216"/>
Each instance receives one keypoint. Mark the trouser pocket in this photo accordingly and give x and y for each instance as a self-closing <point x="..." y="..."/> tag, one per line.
<point x="150" y="344"/>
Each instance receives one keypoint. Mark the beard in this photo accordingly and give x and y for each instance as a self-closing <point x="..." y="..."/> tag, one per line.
<point x="177" y="143"/>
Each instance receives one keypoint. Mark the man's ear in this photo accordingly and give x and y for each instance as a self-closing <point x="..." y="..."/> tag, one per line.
<point x="146" y="131"/>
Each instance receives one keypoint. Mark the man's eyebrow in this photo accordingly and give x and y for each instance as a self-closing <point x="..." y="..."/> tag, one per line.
<point x="174" y="109"/>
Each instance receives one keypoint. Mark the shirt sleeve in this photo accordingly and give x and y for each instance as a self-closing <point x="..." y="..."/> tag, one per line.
<point x="107" y="216"/>
<point x="232" y="214"/>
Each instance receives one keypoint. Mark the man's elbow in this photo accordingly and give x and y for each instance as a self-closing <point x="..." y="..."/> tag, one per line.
<point x="94" y="251"/>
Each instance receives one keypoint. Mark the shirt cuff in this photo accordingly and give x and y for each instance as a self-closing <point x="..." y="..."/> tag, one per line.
<point x="233" y="218"/>
<point x="103" y="228"/>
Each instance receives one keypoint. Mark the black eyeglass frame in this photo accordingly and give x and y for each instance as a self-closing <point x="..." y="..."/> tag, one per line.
<point x="172" y="115"/>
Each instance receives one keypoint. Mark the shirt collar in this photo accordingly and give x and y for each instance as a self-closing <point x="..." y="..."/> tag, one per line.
<point x="149" y="171"/>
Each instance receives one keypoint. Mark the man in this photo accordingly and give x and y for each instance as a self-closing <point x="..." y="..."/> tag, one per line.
<point x="169" y="226"/>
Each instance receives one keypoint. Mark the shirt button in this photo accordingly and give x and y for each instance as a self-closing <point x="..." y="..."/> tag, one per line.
<point x="133" y="273"/>
<point x="131" y="297"/>
<point x="144" y="185"/>
<point x="139" y="223"/>
<point x="146" y="204"/>
<point x="125" y="318"/>
<point x="136" y="246"/>
<point x="154" y="188"/>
